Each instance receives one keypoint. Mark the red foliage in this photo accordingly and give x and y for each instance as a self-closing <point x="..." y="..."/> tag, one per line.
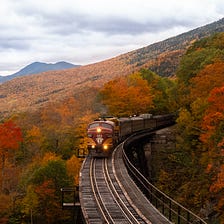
<point x="10" y="136"/>
<point x="214" y="115"/>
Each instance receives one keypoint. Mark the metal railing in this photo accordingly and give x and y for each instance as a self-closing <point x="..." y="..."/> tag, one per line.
<point x="174" y="211"/>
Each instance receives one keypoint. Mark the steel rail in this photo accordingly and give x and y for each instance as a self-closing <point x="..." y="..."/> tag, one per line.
<point x="127" y="213"/>
<point x="105" y="213"/>
<point x="124" y="192"/>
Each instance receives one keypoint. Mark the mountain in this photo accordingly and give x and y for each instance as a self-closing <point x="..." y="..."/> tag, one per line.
<point x="36" y="91"/>
<point x="163" y="57"/>
<point x="38" y="67"/>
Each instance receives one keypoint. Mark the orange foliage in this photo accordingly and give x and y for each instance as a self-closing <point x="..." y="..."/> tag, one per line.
<point x="214" y="114"/>
<point x="213" y="137"/>
<point x="68" y="110"/>
<point x="34" y="134"/>
<point x="207" y="79"/>
<point x="73" y="167"/>
<point x="122" y="95"/>
<point x="61" y="115"/>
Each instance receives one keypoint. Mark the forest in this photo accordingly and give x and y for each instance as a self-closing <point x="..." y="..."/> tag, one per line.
<point x="39" y="149"/>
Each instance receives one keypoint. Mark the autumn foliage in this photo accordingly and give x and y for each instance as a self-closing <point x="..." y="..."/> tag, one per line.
<point x="38" y="165"/>
<point x="10" y="138"/>
<point x="123" y="94"/>
<point x="142" y="92"/>
<point x="201" y="123"/>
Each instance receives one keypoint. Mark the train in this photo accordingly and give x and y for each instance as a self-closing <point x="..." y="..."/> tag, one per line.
<point x="105" y="133"/>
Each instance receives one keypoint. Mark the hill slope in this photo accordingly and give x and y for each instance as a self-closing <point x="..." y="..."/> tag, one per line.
<point x="38" y="67"/>
<point x="35" y="91"/>
<point x="163" y="57"/>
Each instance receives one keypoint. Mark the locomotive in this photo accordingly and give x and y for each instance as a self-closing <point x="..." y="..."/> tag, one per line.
<point x="101" y="138"/>
<point x="105" y="133"/>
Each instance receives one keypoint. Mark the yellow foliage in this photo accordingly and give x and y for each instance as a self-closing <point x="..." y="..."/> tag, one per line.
<point x="34" y="134"/>
<point x="73" y="167"/>
<point x="49" y="156"/>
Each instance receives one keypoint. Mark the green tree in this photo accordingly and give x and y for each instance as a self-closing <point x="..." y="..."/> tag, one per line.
<point x="42" y="184"/>
<point x="202" y="54"/>
<point x="163" y="90"/>
<point x="30" y="203"/>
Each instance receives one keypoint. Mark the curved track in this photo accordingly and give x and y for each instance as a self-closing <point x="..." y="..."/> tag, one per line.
<point x="104" y="198"/>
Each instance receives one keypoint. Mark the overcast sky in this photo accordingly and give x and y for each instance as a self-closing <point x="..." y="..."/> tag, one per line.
<point x="88" y="31"/>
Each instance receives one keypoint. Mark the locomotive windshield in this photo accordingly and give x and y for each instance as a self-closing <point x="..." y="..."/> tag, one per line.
<point x="106" y="125"/>
<point x="97" y="124"/>
<point x="94" y="125"/>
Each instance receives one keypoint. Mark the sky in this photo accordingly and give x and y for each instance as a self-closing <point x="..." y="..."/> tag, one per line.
<point x="88" y="31"/>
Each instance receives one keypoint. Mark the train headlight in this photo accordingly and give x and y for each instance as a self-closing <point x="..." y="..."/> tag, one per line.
<point x="105" y="147"/>
<point x="98" y="130"/>
<point x="93" y="146"/>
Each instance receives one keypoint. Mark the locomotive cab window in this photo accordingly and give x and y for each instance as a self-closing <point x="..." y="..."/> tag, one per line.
<point x="107" y="126"/>
<point x="104" y="125"/>
<point x="94" y="125"/>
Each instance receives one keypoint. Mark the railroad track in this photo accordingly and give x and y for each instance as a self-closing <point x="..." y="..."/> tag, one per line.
<point x="105" y="199"/>
<point x="109" y="197"/>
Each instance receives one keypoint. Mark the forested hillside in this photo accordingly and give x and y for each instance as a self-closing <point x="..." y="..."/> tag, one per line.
<point x="194" y="171"/>
<point x="163" y="57"/>
<point x="34" y="92"/>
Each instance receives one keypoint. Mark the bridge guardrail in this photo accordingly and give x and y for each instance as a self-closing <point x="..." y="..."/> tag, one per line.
<point x="174" y="211"/>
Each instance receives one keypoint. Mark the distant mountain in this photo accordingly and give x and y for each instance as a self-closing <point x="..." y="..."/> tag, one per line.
<point x="36" y="91"/>
<point x="38" y="67"/>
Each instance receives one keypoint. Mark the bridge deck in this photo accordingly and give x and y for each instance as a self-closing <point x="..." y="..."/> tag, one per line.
<point x="137" y="198"/>
<point x="132" y="193"/>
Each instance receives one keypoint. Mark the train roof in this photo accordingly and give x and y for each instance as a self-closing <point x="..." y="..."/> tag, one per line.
<point x="146" y="115"/>
<point x="129" y="118"/>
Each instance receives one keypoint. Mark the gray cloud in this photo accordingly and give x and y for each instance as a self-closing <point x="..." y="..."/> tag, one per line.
<point x="114" y="26"/>
<point x="14" y="44"/>
<point x="70" y="22"/>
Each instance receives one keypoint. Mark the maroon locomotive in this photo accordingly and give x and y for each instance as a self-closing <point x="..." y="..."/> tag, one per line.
<point x="101" y="138"/>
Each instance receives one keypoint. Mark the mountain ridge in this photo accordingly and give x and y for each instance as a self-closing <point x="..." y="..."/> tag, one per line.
<point x="38" y="67"/>
<point x="37" y="91"/>
<point x="175" y="46"/>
